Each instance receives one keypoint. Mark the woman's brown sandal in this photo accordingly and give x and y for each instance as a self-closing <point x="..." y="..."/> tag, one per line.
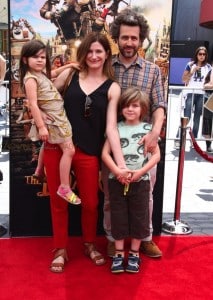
<point x="95" y="256"/>
<point x="60" y="257"/>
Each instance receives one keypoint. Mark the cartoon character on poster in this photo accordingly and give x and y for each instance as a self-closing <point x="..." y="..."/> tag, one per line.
<point x="62" y="24"/>
<point x="21" y="30"/>
<point x="75" y="18"/>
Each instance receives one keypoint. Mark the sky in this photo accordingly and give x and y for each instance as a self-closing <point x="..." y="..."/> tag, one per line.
<point x="29" y="10"/>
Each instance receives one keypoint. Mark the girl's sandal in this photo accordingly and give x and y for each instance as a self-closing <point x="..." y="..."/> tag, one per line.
<point x="60" y="257"/>
<point x="69" y="196"/>
<point x="95" y="256"/>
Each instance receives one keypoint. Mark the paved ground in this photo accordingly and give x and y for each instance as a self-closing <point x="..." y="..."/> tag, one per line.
<point x="197" y="184"/>
<point x="196" y="201"/>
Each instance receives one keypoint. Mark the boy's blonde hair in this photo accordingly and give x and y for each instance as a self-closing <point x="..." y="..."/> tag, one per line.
<point x="131" y="95"/>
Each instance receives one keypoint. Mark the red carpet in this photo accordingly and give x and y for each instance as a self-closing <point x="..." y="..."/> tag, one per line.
<point x="184" y="272"/>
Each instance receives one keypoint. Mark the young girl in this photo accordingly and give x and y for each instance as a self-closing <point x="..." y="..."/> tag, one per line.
<point x="46" y="105"/>
<point x="130" y="202"/>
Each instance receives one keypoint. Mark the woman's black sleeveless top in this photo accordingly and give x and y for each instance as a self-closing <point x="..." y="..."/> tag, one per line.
<point x="88" y="131"/>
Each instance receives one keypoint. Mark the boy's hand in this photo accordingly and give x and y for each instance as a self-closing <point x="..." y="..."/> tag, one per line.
<point x="136" y="175"/>
<point x="124" y="176"/>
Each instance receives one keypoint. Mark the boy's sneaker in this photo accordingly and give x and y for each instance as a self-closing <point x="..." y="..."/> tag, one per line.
<point x="150" y="249"/>
<point x="133" y="264"/>
<point x="117" y="264"/>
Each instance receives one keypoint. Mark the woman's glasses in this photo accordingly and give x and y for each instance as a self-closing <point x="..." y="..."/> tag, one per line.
<point x="202" y="54"/>
<point x="87" y="106"/>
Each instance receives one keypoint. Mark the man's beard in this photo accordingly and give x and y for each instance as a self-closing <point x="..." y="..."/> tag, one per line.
<point x="128" y="54"/>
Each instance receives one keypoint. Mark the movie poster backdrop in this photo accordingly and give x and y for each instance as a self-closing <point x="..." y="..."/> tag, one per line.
<point x="61" y="25"/>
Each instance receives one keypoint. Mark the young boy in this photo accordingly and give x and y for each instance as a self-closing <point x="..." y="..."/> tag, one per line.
<point x="129" y="202"/>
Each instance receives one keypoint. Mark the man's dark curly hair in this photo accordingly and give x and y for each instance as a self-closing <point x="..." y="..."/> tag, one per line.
<point x="130" y="18"/>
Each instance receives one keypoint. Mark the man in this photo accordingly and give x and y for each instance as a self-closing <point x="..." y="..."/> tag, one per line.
<point x="129" y="30"/>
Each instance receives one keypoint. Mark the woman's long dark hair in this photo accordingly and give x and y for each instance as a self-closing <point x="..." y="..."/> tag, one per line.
<point x="30" y="49"/>
<point x="195" y="59"/>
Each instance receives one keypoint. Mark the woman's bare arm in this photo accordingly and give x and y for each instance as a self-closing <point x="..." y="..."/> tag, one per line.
<point x="111" y="125"/>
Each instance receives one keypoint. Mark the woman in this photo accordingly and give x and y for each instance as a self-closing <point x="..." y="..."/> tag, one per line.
<point x="194" y="76"/>
<point x="90" y="102"/>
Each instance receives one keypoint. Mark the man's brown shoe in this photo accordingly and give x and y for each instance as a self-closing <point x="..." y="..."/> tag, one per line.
<point x="150" y="249"/>
<point x="111" y="249"/>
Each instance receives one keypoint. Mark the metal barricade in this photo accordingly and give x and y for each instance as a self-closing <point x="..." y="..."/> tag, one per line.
<point x="176" y="106"/>
<point x="4" y="112"/>
<point x="177" y="124"/>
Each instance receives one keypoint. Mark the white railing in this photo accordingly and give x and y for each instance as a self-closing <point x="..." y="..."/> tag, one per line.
<point x="4" y="108"/>
<point x="176" y="111"/>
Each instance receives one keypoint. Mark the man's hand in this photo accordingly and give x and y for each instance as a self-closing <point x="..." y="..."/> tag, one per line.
<point x="150" y="141"/>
